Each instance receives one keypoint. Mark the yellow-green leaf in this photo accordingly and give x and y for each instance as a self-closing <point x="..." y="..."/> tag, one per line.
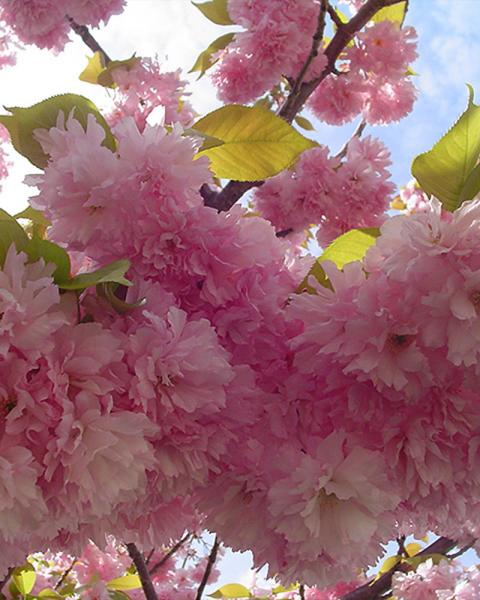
<point x="50" y="253"/>
<point x="129" y="581"/>
<point x="472" y="185"/>
<point x="93" y="69"/>
<point x="349" y="247"/>
<point x="24" y="578"/>
<point x="48" y="593"/>
<point x="304" y="123"/>
<point x="33" y="215"/>
<point x="256" y="143"/>
<point x="415" y="561"/>
<point x="395" y="13"/>
<point x="445" y="169"/>
<point x="10" y="233"/>
<point x="232" y="590"/>
<point x="21" y="123"/>
<point x="114" y="273"/>
<point x="205" y="59"/>
<point x="105" y="77"/>
<point x="216" y="11"/>
<point x="413" y="548"/>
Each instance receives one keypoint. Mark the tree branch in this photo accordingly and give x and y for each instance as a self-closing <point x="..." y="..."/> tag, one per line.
<point x="139" y="562"/>
<point x="374" y="590"/>
<point x="66" y="573"/>
<point x="356" y="134"/>
<point x="211" y="561"/>
<point x="170" y="553"/>
<point x="88" y="39"/>
<point x="295" y="101"/>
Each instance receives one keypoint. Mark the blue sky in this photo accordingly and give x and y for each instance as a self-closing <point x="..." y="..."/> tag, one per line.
<point x="449" y="48"/>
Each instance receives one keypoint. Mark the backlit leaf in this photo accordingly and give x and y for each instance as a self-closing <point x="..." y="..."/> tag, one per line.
<point x="445" y="169"/>
<point x="24" y="578"/>
<point x="105" y="78"/>
<point x="413" y="548"/>
<point x="129" y="581"/>
<point x="216" y="11"/>
<point x="394" y="13"/>
<point x="93" y="69"/>
<point x="304" y="123"/>
<point x="256" y="143"/>
<point x="21" y="123"/>
<point x="50" y="253"/>
<point x="10" y="232"/>
<point x="205" y="59"/>
<point x="232" y="590"/>
<point x="349" y="247"/>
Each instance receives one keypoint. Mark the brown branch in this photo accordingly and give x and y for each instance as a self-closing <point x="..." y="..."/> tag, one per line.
<point x="88" y="39"/>
<point x="211" y="561"/>
<point x="356" y="134"/>
<point x="316" y="40"/>
<point x="295" y="101"/>
<point x="462" y="550"/>
<point x="142" y="570"/>
<point x="170" y="553"/>
<point x="374" y="590"/>
<point x="334" y="15"/>
<point x="301" y="592"/>
<point x="66" y="573"/>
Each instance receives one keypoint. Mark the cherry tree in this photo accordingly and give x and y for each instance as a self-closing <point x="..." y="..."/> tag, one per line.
<point x="174" y="360"/>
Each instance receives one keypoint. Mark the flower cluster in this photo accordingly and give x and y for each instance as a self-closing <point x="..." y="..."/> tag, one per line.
<point x="143" y="87"/>
<point x="45" y="23"/>
<point x="373" y="80"/>
<point x="337" y="195"/>
<point x="276" y="41"/>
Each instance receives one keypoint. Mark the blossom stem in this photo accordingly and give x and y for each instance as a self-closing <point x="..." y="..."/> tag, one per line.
<point x="356" y="134"/>
<point x="142" y="570"/>
<point x="170" y="553"/>
<point x="88" y="39"/>
<point x="208" y="569"/>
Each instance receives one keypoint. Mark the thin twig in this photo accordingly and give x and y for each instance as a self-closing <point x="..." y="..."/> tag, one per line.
<point x="316" y="40"/>
<point x="294" y="103"/>
<point x="356" y="134"/>
<point x="334" y="15"/>
<point x="301" y="592"/>
<point x="66" y="573"/>
<point x="149" y="557"/>
<point x="88" y="39"/>
<point x="374" y="590"/>
<point x="170" y="553"/>
<point x="142" y="570"/>
<point x="401" y="546"/>
<point x="208" y="569"/>
<point x="462" y="550"/>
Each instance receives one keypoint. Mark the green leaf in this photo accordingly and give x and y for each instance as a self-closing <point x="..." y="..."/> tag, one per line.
<point x="49" y="593"/>
<point x="304" y="123"/>
<point x="472" y="186"/>
<point x="231" y="590"/>
<point x="107" y="291"/>
<point x="99" y="73"/>
<point x="51" y="253"/>
<point x="445" y="169"/>
<point x="126" y="582"/>
<point x="22" y="122"/>
<point x="117" y="595"/>
<point x="105" y="77"/>
<point x="114" y="272"/>
<point x="349" y="247"/>
<point x="33" y="215"/>
<point x="415" y="561"/>
<point x="256" y="143"/>
<point x="216" y="11"/>
<point x="395" y="13"/>
<point x="93" y="69"/>
<point x="10" y="232"/>
<point x="205" y="59"/>
<point x="24" y="578"/>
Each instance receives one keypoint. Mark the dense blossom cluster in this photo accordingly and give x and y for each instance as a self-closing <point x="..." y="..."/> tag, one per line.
<point x="336" y="194"/>
<point x="373" y="80"/>
<point x="276" y="41"/>
<point x="143" y="87"/>
<point x="45" y="22"/>
<point x="211" y="393"/>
